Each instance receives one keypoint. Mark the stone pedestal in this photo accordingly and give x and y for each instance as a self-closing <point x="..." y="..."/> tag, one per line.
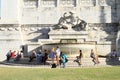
<point x="67" y="34"/>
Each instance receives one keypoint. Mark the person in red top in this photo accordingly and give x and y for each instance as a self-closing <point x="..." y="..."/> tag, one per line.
<point x="13" y="54"/>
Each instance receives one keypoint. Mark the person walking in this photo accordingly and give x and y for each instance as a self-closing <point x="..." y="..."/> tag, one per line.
<point x="78" y="60"/>
<point x="63" y="59"/>
<point x="94" y="57"/>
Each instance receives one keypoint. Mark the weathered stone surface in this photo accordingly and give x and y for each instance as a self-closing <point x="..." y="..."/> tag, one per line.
<point x="30" y="22"/>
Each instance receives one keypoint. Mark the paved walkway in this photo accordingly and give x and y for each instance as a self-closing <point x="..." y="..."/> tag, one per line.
<point x="86" y="62"/>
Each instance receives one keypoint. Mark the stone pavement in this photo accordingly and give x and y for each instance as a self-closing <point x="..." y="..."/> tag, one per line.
<point x="86" y="62"/>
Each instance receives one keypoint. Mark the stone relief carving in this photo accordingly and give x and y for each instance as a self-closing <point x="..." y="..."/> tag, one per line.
<point x="2" y="29"/>
<point x="30" y="3"/>
<point x="9" y="29"/>
<point x="88" y="2"/>
<point x="102" y="2"/>
<point x="67" y="2"/>
<point x="69" y="20"/>
<point x="49" y="3"/>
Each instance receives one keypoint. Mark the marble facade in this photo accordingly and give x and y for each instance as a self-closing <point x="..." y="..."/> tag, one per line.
<point x="29" y="23"/>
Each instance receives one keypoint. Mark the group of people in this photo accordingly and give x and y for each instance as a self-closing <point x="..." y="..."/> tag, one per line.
<point x="40" y="56"/>
<point x="59" y="56"/>
<point x="111" y="56"/>
<point x="92" y="55"/>
<point x="15" y="55"/>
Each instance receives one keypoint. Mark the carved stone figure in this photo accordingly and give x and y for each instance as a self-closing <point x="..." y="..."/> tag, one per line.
<point x="77" y="22"/>
<point x="70" y="21"/>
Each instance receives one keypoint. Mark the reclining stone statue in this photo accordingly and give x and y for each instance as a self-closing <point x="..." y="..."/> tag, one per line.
<point x="69" y="21"/>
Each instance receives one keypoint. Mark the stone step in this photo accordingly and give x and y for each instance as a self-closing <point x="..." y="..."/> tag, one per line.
<point x="86" y="62"/>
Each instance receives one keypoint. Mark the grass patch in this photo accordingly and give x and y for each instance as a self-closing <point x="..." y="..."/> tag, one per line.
<point x="108" y="73"/>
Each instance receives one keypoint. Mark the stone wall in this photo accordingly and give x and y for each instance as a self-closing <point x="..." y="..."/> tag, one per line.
<point x="48" y="12"/>
<point x="100" y="35"/>
<point x="36" y="17"/>
<point x="105" y="31"/>
<point x="13" y="36"/>
<point x="10" y="39"/>
<point x="9" y="12"/>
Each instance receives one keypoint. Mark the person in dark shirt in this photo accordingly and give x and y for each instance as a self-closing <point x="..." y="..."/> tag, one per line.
<point x="32" y="56"/>
<point x="78" y="60"/>
<point x="45" y="56"/>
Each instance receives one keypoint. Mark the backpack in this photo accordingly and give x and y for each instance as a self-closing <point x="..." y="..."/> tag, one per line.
<point x="66" y="60"/>
<point x="54" y="65"/>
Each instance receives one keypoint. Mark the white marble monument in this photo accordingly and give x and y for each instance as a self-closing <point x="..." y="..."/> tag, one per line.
<point x="29" y="23"/>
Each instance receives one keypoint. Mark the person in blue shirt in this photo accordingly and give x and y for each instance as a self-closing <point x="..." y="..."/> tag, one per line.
<point x="39" y="57"/>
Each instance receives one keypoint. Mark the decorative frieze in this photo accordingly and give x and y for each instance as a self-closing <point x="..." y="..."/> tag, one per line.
<point x="48" y="3"/>
<point x="9" y="27"/>
<point x="66" y="3"/>
<point x="30" y="3"/>
<point x="25" y="29"/>
<point x="35" y="27"/>
<point x="87" y="2"/>
<point x="17" y="28"/>
<point x="66" y="9"/>
<point x="102" y="2"/>
<point x="2" y="29"/>
<point x="69" y="3"/>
